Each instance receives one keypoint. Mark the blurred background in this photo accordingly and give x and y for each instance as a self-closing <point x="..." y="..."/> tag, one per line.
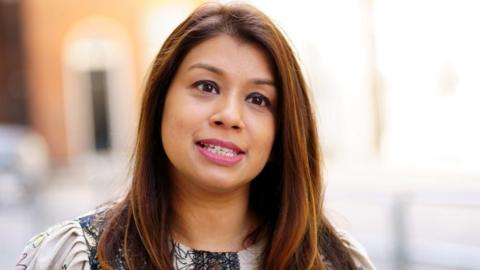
<point x="396" y="85"/>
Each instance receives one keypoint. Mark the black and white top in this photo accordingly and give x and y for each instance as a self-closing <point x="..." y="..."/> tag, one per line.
<point x="72" y="245"/>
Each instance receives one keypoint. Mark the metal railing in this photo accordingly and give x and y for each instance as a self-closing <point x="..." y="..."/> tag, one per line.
<point x="402" y="250"/>
<point x="434" y="253"/>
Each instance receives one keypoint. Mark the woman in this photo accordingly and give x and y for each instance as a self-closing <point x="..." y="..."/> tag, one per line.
<point x="226" y="168"/>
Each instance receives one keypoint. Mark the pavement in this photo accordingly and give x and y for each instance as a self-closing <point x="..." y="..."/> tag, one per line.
<point x="67" y="195"/>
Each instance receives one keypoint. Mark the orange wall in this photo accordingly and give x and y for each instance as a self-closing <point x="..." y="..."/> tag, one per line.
<point x="45" y="25"/>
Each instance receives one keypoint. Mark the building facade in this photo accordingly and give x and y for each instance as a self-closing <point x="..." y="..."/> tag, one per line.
<point x="84" y="65"/>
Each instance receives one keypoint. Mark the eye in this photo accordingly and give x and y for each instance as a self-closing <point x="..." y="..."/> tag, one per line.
<point x="207" y="86"/>
<point x="259" y="99"/>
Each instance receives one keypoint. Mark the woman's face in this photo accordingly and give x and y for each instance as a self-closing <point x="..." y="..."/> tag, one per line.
<point x="218" y="123"/>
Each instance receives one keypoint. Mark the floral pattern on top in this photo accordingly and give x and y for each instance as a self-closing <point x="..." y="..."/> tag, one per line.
<point x="73" y="245"/>
<point x="184" y="257"/>
<point x="190" y="259"/>
<point x="92" y="226"/>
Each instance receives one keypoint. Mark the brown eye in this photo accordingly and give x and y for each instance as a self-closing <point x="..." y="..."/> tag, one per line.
<point x="259" y="99"/>
<point x="207" y="86"/>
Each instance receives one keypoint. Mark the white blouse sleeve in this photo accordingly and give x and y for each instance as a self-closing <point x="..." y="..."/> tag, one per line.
<point x="358" y="252"/>
<point x="61" y="247"/>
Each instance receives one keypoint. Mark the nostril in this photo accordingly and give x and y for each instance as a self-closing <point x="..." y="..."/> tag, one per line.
<point x="218" y="123"/>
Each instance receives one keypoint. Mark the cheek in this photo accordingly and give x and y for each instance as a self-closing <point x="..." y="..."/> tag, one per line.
<point x="178" y="118"/>
<point x="176" y="125"/>
<point x="263" y="134"/>
<point x="172" y="120"/>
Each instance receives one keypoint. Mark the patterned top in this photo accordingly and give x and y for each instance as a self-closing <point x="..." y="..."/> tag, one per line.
<point x="72" y="245"/>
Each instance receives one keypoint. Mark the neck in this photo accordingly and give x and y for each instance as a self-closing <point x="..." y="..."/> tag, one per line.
<point x="211" y="222"/>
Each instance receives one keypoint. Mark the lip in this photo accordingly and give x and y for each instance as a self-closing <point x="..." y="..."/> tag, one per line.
<point x="221" y="143"/>
<point x="222" y="160"/>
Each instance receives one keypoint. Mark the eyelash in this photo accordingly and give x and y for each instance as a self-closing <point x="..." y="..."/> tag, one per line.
<point x="201" y="84"/>
<point x="260" y="100"/>
<point x="264" y="101"/>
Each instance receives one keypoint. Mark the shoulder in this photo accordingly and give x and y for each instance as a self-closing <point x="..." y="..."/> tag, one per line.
<point x="356" y="250"/>
<point x="68" y="245"/>
<point x="62" y="246"/>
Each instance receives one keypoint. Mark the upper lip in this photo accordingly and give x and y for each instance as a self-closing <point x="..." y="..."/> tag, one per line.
<point x="222" y="143"/>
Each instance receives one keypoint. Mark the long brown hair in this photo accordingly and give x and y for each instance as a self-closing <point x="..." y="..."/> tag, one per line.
<point x="287" y="194"/>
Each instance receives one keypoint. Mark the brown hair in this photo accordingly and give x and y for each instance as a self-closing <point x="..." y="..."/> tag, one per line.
<point x="296" y="233"/>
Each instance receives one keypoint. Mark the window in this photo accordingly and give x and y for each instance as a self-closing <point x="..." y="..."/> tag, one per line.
<point x="99" y="99"/>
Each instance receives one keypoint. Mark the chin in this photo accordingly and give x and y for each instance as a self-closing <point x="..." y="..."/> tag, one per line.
<point x="223" y="184"/>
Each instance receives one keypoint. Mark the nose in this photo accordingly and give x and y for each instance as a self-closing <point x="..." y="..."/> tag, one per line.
<point x="228" y="114"/>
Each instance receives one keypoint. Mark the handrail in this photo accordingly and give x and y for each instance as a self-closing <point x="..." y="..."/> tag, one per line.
<point x="437" y="253"/>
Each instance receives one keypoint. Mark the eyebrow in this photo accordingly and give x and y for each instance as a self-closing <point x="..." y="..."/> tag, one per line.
<point x="221" y="73"/>
<point x="207" y="67"/>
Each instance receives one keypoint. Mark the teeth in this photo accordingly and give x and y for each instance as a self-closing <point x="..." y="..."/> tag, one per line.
<point x="218" y="150"/>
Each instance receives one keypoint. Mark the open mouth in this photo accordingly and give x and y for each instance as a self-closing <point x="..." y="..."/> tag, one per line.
<point x="218" y="150"/>
<point x="221" y="152"/>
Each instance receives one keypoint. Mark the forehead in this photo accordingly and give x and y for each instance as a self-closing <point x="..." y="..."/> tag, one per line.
<point x="232" y="55"/>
